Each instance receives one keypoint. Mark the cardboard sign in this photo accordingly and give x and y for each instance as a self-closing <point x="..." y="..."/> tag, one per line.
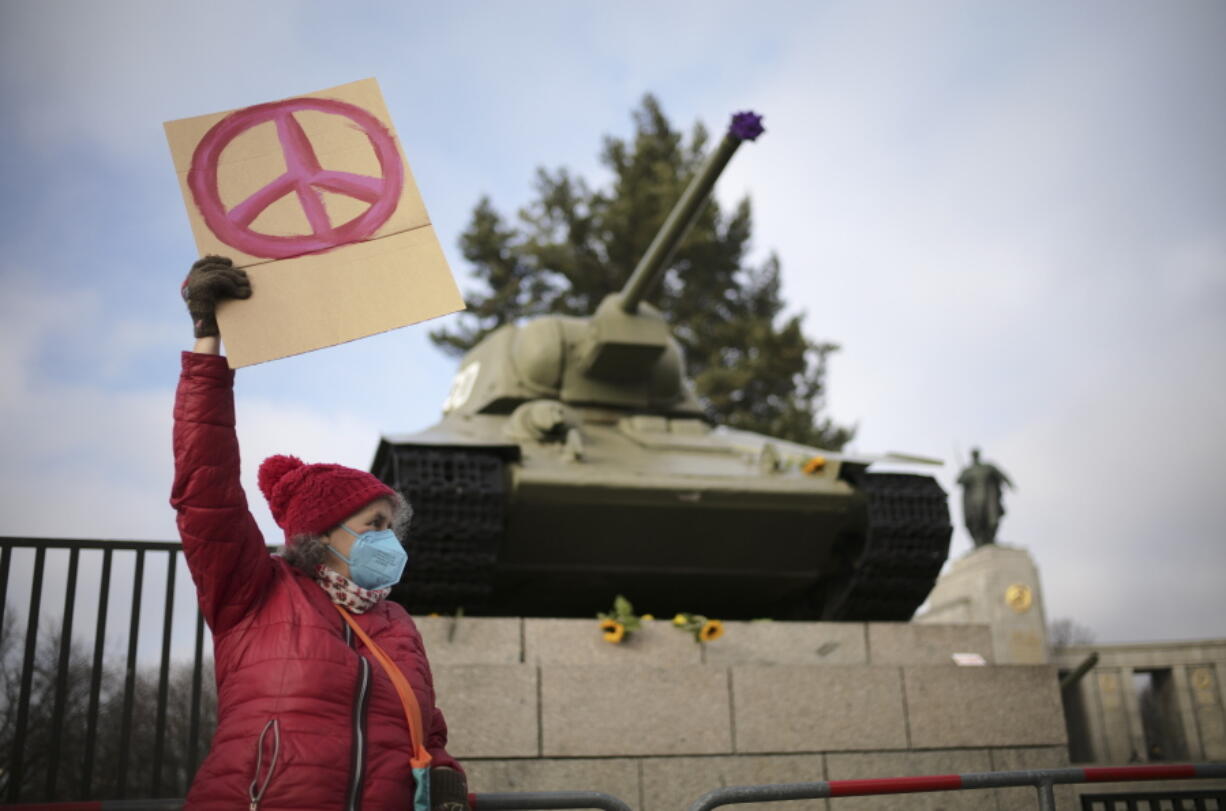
<point x="313" y="196"/>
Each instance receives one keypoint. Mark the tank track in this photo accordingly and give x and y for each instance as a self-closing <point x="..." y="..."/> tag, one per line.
<point x="905" y="547"/>
<point x="458" y="498"/>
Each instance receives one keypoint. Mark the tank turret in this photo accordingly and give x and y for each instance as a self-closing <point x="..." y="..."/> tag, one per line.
<point x="625" y="338"/>
<point x="573" y="463"/>
<point x="624" y="355"/>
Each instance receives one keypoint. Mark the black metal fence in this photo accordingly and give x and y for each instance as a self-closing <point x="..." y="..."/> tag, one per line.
<point x="1156" y="801"/>
<point x="72" y="727"/>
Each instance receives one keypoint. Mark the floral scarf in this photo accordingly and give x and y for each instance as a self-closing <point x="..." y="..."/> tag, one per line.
<point x="344" y="592"/>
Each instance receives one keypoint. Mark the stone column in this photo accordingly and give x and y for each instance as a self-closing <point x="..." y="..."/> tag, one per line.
<point x="1132" y="709"/>
<point x="1207" y="695"/>
<point x="1092" y="703"/>
<point x="1187" y="715"/>
<point x="1116" y="726"/>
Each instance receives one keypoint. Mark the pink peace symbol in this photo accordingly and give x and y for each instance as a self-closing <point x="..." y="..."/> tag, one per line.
<point x="303" y="176"/>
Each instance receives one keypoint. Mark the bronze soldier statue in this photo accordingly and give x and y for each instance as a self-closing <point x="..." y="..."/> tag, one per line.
<point x="982" y="507"/>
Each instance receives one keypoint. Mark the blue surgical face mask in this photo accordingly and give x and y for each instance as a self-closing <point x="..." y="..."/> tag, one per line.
<point x="376" y="560"/>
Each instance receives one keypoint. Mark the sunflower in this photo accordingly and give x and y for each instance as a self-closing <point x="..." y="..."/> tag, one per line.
<point x="647" y="618"/>
<point x="681" y="619"/>
<point x="614" y="631"/>
<point x="711" y="630"/>
<point x="815" y="465"/>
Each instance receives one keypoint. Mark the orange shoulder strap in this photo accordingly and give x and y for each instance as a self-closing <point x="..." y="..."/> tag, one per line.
<point x="412" y="711"/>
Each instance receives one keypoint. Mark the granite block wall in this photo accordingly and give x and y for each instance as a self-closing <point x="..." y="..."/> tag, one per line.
<point x="541" y="705"/>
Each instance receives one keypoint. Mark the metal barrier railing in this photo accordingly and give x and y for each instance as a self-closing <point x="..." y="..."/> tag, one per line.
<point x="1043" y="780"/>
<point x="1156" y="801"/>
<point x="546" y="801"/>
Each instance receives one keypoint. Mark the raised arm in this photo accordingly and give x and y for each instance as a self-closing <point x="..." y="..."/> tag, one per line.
<point x="208" y="345"/>
<point x="224" y="548"/>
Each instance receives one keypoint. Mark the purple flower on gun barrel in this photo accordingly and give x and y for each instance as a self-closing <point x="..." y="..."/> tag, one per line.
<point x="746" y="125"/>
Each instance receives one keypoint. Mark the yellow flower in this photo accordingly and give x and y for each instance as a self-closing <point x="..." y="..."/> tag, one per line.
<point x="646" y="618"/>
<point x="815" y="465"/>
<point x="614" y="631"/>
<point x="680" y="620"/>
<point x="711" y="630"/>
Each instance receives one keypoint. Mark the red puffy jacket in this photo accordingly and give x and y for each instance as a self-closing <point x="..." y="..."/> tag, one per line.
<point x="307" y="718"/>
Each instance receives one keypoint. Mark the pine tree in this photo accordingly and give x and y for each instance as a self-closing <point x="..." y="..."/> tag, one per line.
<point x="751" y="363"/>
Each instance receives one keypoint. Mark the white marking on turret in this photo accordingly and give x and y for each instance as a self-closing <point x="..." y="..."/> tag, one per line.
<point x="462" y="387"/>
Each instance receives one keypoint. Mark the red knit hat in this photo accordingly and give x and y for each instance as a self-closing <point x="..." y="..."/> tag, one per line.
<point x="312" y="499"/>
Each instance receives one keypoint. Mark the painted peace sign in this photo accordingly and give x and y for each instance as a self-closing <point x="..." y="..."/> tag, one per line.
<point x="303" y="176"/>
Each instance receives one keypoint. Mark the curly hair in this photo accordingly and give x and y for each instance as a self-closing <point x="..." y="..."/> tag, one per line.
<point x="305" y="552"/>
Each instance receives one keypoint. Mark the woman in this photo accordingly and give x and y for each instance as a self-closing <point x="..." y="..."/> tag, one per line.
<point x="317" y="672"/>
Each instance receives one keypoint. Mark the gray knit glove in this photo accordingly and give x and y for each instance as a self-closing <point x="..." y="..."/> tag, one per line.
<point x="448" y="790"/>
<point x="212" y="279"/>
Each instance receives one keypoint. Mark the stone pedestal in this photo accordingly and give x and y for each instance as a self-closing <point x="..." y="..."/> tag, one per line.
<point x="998" y="586"/>
<point x="548" y="705"/>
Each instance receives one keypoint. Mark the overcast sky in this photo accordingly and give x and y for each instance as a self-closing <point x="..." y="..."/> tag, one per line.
<point x="1011" y="216"/>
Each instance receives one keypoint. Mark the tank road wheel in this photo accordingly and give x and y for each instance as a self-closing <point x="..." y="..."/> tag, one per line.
<point x="458" y="498"/>
<point x="907" y="543"/>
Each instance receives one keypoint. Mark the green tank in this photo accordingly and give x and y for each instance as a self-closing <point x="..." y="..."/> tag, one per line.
<point x="574" y="463"/>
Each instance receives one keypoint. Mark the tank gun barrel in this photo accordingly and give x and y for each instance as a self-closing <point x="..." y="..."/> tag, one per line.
<point x="745" y="126"/>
